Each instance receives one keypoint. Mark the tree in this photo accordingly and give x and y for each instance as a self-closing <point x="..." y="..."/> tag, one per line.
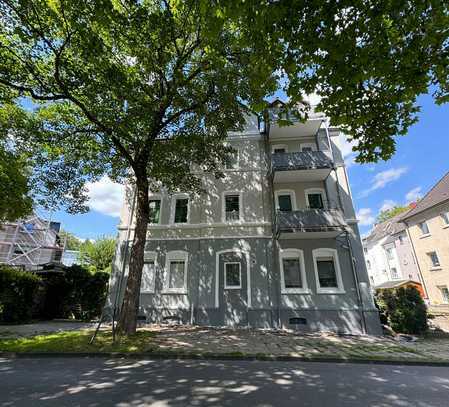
<point x="143" y="90"/>
<point x="71" y="241"/>
<point x="390" y="213"/>
<point x="98" y="254"/>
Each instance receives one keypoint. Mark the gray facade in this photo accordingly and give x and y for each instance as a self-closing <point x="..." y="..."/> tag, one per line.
<point x="298" y="267"/>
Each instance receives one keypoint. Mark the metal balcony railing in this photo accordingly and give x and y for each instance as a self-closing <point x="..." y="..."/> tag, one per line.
<point x="310" y="220"/>
<point x="301" y="160"/>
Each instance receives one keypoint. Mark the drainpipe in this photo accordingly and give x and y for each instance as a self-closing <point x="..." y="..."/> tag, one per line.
<point x="357" y="282"/>
<point x="415" y="258"/>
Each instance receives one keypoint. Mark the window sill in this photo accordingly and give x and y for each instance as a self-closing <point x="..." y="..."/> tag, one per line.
<point x="287" y="291"/>
<point x="436" y="268"/>
<point x="330" y="291"/>
<point x="147" y="292"/>
<point x="181" y="292"/>
<point x="424" y="236"/>
<point x="445" y="226"/>
<point x="233" y="288"/>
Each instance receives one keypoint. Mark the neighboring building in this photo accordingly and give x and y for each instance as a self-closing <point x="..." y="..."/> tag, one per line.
<point x="428" y="228"/>
<point x="389" y="253"/>
<point x="269" y="245"/>
<point x="30" y="243"/>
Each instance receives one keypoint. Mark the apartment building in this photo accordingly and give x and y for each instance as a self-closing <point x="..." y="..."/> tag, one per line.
<point x="389" y="254"/>
<point x="273" y="244"/>
<point x="428" y="229"/>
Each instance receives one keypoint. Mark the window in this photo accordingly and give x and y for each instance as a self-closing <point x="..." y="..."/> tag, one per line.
<point x="327" y="271"/>
<point x="394" y="273"/>
<point x="434" y="259"/>
<point x="424" y="228"/>
<point x="401" y="239"/>
<point x="232" y="160"/>
<point x="176" y="269"/>
<point x="293" y="275"/>
<point x="232" y="276"/>
<point x="181" y="214"/>
<point x="231" y="207"/>
<point x="279" y="149"/>
<point x="155" y="211"/>
<point x="445" y="217"/>
<point x="368" y="264"/>
<point x="365" y="250"/>
<point x="308" y="147"/>
<point x="371" y="279"/>
<point x="389" y="252"/>
<point x="315" y="198"/>
<point x="148" y="276"/>
<point x="285" y="203"/>
<point x="445" y="294"/>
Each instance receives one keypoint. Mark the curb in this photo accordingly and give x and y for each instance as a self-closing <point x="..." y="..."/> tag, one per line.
<point x="218" y="357"/>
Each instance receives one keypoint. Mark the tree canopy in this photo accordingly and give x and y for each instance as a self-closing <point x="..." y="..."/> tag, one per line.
<point x="390" y="213"/>
<point x="142" y="90"/>
<point x="98" y="254"/>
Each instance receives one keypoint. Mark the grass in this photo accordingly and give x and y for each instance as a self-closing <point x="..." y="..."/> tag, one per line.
<point x="78" y="341"/>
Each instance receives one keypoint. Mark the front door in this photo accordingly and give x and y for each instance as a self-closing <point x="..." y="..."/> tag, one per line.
<point x="233" y="289"/>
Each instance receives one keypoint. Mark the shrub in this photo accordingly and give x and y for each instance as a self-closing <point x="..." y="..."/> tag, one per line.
<point x="404" y="309"/>
<point x="18" y="290"/>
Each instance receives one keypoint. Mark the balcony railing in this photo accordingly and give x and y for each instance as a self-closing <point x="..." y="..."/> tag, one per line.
<point x="310" y="220"/>
<point x="301" y="160"/>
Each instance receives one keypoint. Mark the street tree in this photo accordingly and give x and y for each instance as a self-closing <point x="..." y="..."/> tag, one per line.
<point x="143" y="90"/>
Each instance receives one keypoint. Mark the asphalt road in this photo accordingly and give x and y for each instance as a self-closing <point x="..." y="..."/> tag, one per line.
<point x="162" y="383"/>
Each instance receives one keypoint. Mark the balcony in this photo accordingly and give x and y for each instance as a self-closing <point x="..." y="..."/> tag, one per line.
<point x="310" y="223"/>
<point x="300" y="166"/>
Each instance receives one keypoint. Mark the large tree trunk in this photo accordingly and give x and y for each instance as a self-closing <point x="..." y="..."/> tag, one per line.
<point x="127" y="322"/>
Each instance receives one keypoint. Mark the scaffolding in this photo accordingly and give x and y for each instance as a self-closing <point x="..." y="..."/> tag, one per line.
<point x="31" y="243"/>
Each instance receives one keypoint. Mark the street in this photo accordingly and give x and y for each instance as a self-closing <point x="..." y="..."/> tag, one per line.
<point x="126" y="382"/>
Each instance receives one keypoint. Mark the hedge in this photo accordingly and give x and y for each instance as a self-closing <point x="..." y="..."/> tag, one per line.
<point x="403" y="309"/>
<point x="18" y="292"/>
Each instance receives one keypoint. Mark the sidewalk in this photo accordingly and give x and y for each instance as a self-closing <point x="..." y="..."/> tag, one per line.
<point x="198" y="341"/>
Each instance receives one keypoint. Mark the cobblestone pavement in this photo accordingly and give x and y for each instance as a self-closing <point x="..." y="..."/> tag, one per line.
<point x="285" y="343"/>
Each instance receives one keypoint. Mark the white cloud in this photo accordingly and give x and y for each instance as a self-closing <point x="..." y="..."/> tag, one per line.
<point x="413" y="195"/>
<point x="388" y="204"/>
<point x="384" y="178"/>
<point x="105" y="196"/>
<point x="365" y="217"/>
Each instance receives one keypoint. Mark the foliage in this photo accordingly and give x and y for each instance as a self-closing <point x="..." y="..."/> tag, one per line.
<point x="71" y="241"/>
<point x="17" y="293"/>
<point x="77" y="293"/>
<point x="404" y="309"/>
<point x="78" y="341"/>
<point x="98" y="254"/>
<point x="390" y="213"/>
<point x="154" y="86"/>
<point x="16" y="201"/>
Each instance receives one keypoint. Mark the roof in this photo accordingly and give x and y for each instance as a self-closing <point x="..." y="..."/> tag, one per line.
<point x="438" y="194"/>
<point x="395" y="284"/>
<point x="390" y="227"/>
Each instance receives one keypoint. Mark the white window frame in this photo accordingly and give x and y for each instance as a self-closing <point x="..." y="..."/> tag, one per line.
<point x="156" y="198"/>
<point x="223" y="206"/>
<point x="432" y="266"/>
<point x="321" y="191"/>
<point x="396" y="276"/>
<point x="290" y="192"/>
<point x="277" y="146"/>
<point x="313" y="145"/>
<point x="173" y="208"/>
<point x="175" y="255"/>
<point x="232" y="287"/>
<point x="327" y="252"/>
<point x="237" y="167"/>
<point x="293" y="254"/>
<point x="443" y="214"/>
<point x="441" y="288"/>
<point x="428" y="229"/>
<point x="149" y="257"/>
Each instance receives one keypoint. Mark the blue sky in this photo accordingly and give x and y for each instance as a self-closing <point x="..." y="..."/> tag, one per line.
<point x="421" y="159"/>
